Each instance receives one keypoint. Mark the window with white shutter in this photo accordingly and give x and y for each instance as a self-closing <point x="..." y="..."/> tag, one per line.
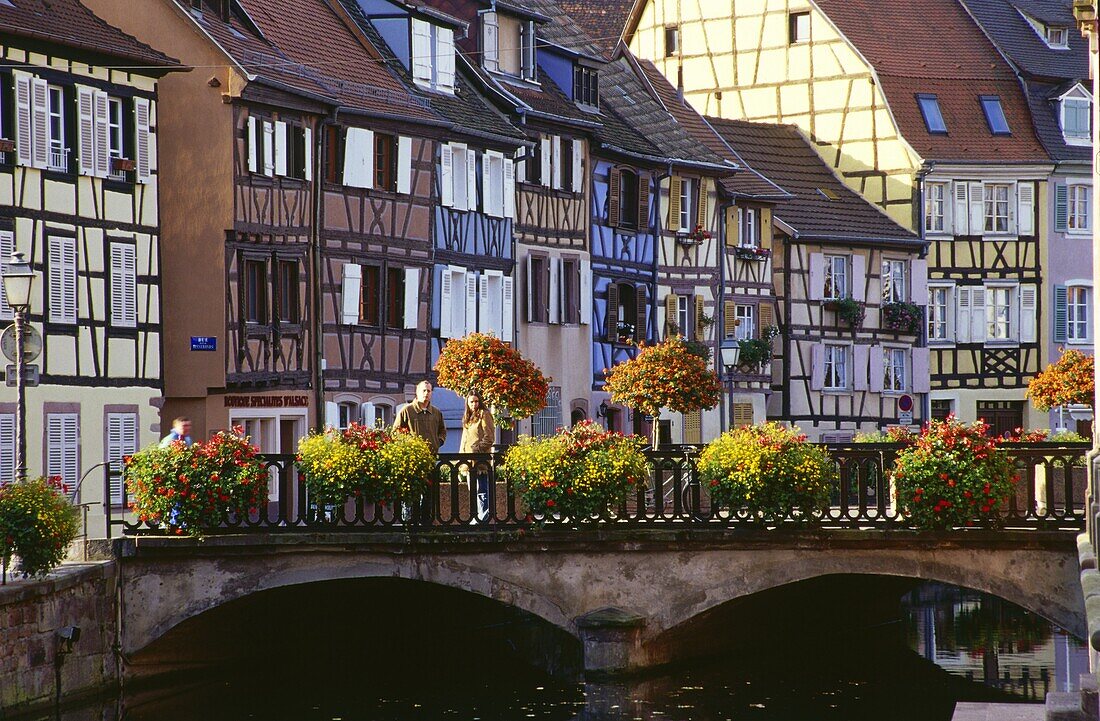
<point x="280" y="148"/>
<point x="432" y="56"/>
<point x="359" y="158"/>
<point x="460" y="177"/>
<point x="24" y="119"/>
<point x="122" y="441"/>
<point x="7" y="448"/>
<point x="269" y="148"/>
<point x="61" y="279"/>
<point x="143" y="141"/>
<point x="124" y="285"/>
<point x="63" y="449"/>
<point x="7" y="247"/>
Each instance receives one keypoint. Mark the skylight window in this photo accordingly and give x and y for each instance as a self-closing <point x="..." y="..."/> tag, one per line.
<point x="995" y="115"/>
<point x="829" y="193"/>
<point x="933" y="118"/>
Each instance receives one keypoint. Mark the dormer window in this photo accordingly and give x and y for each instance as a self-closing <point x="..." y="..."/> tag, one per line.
<point x="994" y="115"/>
<point x="1076" y="116"/>
<point x="933" y="118"/>
<point x="1057" y="37"/>
<point x="433" y="56"/>
<point x="586" y="86"/>
<point x="508" y="45"/>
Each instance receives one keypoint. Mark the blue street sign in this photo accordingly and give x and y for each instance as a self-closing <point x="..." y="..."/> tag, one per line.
<point x="204" y="342"/>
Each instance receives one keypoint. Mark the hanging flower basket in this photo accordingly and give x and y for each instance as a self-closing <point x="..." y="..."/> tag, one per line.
<point x="512" y="386"/>
<point x="848" y="310"/>
<point x="752" y="253"/>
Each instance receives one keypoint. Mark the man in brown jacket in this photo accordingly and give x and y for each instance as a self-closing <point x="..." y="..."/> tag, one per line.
<point x="425" y="420"/>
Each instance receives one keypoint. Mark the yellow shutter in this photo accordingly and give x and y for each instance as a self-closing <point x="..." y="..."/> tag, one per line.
<point x="766" y="228"/>
<point x="742" y="415"/>
<point x="702" y="206"/>
<point x="693" y="427"/>
<point x="729" y="310"/>
<point x="670" y="315"/>
<point x="766" y="320"/>
<point x="700" y="327"/>
<point x="731" y="226"/>
<point x="674" y="202"/>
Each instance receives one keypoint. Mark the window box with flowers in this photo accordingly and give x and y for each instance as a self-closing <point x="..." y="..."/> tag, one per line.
<point x="624" y="332"/>
<point x="751" y="252"/>
<point x="902" y="317"/>
<point x="696" y="237"/>
<point x="755" y="352"/>
<point x="848" y="310"/>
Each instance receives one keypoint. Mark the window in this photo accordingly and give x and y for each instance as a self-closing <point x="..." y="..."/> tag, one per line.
<point x="385" y="162"/>
<point x="798" y="28"/>
<point x="935" y="194"/>
<point x="114" y="135"/>
<point x="995" y="115"/>
<point x="255" y="291"/>
<point x="1078" y="209"/>
<point x="683" y="315"/>
<point x="836" y="277"/>
<point x="628" y="199"/>
<point x="395" y="298"/>
<point x="515" y="53"/>
<point x="122" y="441"/>
<point x="942" y="408"/>
<point x="586" y="86"/>
<point x="498" y="185"/>
<point x="836" y="367"/>
<point x="59" y="154"/>
<point x="288" y="291"/>
<point x="547" y="421"/>
<point x="939" y="298"/>
<point x="996" y="207"/>
<point x="1078" y="300"/>
<point x="686" y="224"/>
<point x="627" y="312"/>
<point x="7" y="448"/>
<point x="371" y="295"/>
<point x="61" y="279"/>
<point x="123" y="285"/>
<point x="63" y="448"/>
<point x="433" y="56"/>
<point x="334" y="154"/>
<point x="1002" y="416"/>
<point x="893" y="369"/>
<point x="893" y="281"/>
<point x="933" y="118"/>
<point x="999" y="312"/>
<point x="1057" y="37"/>
<point x="537" y="289"/>
<point x="1076" y="119"/>
<point x="746" y="328"/>
<point x="672" y="40"/>
<point x="347" y="413"/>
<point x="748" y="227"/>
<point x="570" y="291"/>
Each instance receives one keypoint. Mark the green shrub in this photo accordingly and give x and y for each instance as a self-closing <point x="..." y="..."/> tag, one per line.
<point x="769" y="470"/>
<point x="37" y="524"/>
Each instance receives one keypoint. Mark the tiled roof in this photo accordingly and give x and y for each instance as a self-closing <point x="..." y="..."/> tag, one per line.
<point x="602" y="20"/>
<point x="1017" y="39"/>
<point x="782" y="155"/>
<point x="933" y="46"/>
<point x="310" y="33"/>
<point x="69" y="23"/>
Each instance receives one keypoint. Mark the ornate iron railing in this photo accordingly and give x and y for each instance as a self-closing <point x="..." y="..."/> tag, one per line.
<point x="1049" y="495"/>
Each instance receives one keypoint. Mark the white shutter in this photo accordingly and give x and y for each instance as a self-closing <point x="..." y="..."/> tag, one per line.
<point x="7" y="448"/>
<point x="7" y="247"/>
<point x="40" y="124"/>
<point x="859" y="277"/>
<point x="269" y="148"/>
<point x="332" y="414"/>
<point x="123" y="285"/>
<point x="122" y="441"/>
<point x="555" y="162"/>
<point x="62" y="280"/>
<point x="978" y="330"/>
<point x="471" y="180"/>
<point x="62" y="448"/>
<point x="102" y="135"/>
<point x="507" y="308"/>
<point x="509" y="184"/>
<point x="350" y="297"/>
<point x="445" y="58"/>
<point x="918" y="281"/>
<point x="578" y="165"/>
<point x="484" y="319"/>
<point x="817" y="276"/>
<point x="922" y="377"/>
<point x="446" y="303"/>
<point x="359" y="158"/>
<point x="446" y="175"/>
<point x="24" y="135"/>
<point x="421" y="51"/>
<point x="490" y="34"/>
<point x="962" y="315"/>
<point x="280" y="147"/>
<point x="404" y="164"/>
<point x="253" y="151"/>
<point x="367" y="414"/>
<point x="471" y="303"/>
<point x="586" y="291"/>
<point x="529" y="288"/>
<point x="143" y="145"/>
<point x="977" y="209"/>
<point x="1028" y="301"/>
<point x="1025" y="217"/>
<point x="817" y="366"/>
<point x="307" y="154"/>
<point x="488" y="204"/>
<point x="875" y="369"/>
<point x="961" y="215"/>
<point x="412" y="297"/>
<point x="860" y="367"/>
<point x="544" y="149"/>
<point x="555" y="290"/>
<point x="86" y="130"/>
<point x="1012" y="195"/>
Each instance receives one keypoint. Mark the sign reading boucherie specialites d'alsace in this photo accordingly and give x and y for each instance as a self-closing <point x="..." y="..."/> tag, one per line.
<point x="299" y="401"/>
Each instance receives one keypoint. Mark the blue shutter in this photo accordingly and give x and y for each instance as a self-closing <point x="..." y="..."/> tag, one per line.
<point x="1061" y="313"/>
<point x="1061" y="207"/>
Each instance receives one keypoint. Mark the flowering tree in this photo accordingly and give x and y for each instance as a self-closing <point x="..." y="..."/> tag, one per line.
<point x="1068" y="381"/>
<point x="666" y="375"/>
<point x="479" y="363"/>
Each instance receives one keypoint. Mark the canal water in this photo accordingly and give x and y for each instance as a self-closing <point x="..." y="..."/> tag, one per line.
<point x="941" y="645"/>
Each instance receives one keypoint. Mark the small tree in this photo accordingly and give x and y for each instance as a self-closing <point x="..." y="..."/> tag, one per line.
<point x="1068" y="381"/>
<point x="479" y="363"/>
<point x="666" y="375"/>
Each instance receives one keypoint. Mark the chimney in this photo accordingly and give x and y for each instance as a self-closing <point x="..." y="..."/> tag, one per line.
<point x="225" y="9"/>
<point x="680" y="83"/>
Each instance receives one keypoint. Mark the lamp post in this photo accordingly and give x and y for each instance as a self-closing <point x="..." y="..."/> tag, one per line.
<point x="18" y="279"/>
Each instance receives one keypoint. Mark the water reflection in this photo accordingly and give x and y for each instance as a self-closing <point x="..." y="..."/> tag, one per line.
<point x="944" y="645"/>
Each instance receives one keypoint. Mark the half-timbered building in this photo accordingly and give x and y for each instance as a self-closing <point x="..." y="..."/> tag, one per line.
<point x="79" y="178"/>
<point x="836" y="377"/>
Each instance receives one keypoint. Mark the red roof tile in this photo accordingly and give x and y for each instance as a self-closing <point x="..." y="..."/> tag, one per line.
<point x="602" y="20"/>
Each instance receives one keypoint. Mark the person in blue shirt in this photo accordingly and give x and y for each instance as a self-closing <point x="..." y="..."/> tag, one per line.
<point x="181" y="431"/>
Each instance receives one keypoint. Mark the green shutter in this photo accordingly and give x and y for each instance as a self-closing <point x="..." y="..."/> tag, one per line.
<point x="1061" y="313"/>
<point x="1061" y="207"/>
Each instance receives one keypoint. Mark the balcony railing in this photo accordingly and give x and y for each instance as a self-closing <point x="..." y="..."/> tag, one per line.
<point x="1049" y="495"/>
<point x="59" y="160"/>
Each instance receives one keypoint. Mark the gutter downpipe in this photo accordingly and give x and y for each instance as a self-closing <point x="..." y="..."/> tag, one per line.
<point x="925" y="170"/>
<point x="318" y="324"/>
<point x="720" y="312"/>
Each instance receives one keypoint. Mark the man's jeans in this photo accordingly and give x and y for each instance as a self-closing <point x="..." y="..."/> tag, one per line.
<point x="418" y="510"/>
<point x="482" y="497"/>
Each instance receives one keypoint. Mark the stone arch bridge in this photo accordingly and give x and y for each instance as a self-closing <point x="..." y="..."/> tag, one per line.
<point x="622" y="593"/>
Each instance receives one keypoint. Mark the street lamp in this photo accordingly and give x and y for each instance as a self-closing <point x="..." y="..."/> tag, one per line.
<point x="18" y="280"/>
